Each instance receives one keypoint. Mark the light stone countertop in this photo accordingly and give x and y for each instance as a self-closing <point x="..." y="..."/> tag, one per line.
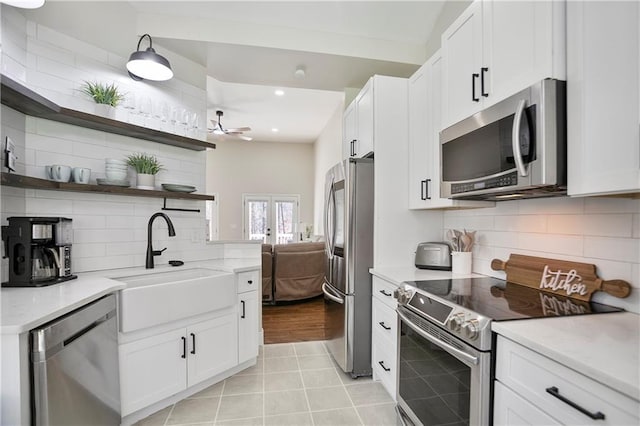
<point x="397" y="275"/>
<point x="26" y="308"/>
<point x="604" y="347"/>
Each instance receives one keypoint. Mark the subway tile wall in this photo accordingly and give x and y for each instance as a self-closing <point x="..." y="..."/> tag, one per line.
<point x="109" y="231"/>
<point x="602" y="231"/>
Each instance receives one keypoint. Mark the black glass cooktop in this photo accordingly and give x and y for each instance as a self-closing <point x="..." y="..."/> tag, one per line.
<point x="498" y="300"/>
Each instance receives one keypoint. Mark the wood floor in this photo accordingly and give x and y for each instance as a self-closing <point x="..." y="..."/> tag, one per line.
<point x="294" y="322"/>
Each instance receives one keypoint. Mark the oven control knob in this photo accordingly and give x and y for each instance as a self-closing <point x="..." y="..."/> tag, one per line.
<point x="471" y="329"/>
<point x="455" y="322"/>
<point x="402" y="295"/>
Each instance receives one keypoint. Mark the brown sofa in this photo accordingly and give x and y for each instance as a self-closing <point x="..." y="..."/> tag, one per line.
<point x="297" y="272"/>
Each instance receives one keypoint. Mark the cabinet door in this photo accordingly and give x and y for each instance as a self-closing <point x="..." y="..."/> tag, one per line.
<point x="364" y="111"/>
<point x="349" y="130"/>
<point x="603" y="75"/>
<point x="521" y="46"/>
<point x="152" y="369"/>
<point x="511" y="409"/>
<point x="419" y="139"/>
<point x="462" y="56"/>
<point x="212" y="348"/>
<point x="248" y="326"/>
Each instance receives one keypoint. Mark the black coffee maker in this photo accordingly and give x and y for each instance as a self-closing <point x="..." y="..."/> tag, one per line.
<point x="39" y="251"/>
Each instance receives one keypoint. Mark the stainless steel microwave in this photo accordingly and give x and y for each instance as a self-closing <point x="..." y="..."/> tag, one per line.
<point x="514" y="149"/>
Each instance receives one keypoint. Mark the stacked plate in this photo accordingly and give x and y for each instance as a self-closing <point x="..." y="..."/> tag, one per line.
<point x="115" y="173"/>
<point x="178" y="188"/>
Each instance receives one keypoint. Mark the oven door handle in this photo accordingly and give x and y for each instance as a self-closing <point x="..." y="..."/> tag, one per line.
<point x="469" y="358"/>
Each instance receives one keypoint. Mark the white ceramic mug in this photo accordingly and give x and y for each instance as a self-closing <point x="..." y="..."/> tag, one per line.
<point x="81" y="175"/>
<point x="59" y="173"/>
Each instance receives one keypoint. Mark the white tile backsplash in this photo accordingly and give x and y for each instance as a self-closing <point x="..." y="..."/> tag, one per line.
<point x="601" y="231"/>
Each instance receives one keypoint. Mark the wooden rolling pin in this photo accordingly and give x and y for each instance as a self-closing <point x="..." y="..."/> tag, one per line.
<point x="572" y="279"/>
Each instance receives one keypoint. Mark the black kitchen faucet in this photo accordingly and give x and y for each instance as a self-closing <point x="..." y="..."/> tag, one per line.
<point x="150" y="251"/>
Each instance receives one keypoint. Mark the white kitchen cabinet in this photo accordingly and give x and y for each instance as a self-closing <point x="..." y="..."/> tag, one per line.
<point x="361" y="118"/>
<point x="497" y="48"/>
<point x="549" y="389"/>
<point x="164" y="364"/>
<point x="384" y="337"/>
<point x="512" y="409"/>
<point x="248" y="323"/>
<point x="603" y="98"/>
<point x="424" y="142"/>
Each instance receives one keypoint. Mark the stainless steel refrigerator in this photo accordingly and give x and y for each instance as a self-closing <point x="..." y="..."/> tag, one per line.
<point x="348" y="225"/>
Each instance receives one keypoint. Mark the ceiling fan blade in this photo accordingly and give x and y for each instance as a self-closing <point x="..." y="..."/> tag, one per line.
<point x="239" y="129"/>
<point x="244" y="138"/>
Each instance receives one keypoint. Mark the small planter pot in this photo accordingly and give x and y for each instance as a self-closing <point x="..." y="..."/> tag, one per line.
<point x="105" y="110"/>
<point x="145" y="181"/>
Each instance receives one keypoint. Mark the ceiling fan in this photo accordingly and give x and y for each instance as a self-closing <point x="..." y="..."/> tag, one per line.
<point x="237" y="132"/>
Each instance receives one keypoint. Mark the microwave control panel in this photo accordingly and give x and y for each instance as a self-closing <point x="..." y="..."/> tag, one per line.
<point x="510" y="179"/>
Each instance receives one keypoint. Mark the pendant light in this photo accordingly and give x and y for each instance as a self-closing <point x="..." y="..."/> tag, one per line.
<point x="24" y="4"/>
<point x="148" y="65"/>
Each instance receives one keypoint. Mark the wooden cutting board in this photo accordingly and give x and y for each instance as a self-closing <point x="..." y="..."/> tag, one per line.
<point x="571" y="279"/>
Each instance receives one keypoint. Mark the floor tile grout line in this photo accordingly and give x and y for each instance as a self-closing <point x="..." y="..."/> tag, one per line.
<point x="169" y="415"/>
<point x="224" y="384"/>
<point x="306" y="396"/>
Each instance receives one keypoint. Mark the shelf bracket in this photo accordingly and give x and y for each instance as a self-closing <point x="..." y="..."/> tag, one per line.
<point x="164" y="207"/>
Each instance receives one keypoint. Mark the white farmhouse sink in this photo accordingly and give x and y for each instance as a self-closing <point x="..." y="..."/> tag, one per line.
<point x="158" y="298"/>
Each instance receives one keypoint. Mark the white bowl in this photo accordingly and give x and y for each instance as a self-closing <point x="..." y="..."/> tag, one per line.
<point x="111" y="175"/>
<point x="114" y="161"/>
<point x="116" y="167"/>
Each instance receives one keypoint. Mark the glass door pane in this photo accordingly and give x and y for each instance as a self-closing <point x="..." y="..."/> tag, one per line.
<point x="286" y="220"/>
<point x="257" y="226"/>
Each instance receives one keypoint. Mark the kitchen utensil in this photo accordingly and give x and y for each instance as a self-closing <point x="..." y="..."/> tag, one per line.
<point x="178" y="188"/>
<point x="572" y="279"/>
<point x="454" y="240"/>
<point x="81" y="175"/>
<point x="59" y="173"/>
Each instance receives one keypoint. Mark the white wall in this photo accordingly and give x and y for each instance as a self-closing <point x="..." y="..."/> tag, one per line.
<point x="450" y="12"/>
<point x="237" y="167"/>
<point x="109" y="231"/>
<point x="601" y="231"/>
<point x="327" y="153"/>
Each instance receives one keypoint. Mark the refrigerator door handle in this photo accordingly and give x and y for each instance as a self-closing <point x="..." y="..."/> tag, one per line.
<point x="330" y="295"/>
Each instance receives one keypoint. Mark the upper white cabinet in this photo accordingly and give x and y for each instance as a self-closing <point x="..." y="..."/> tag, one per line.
<point x="496" y="48"/>
<point x="360" y="118"/>
<point x="424" y="145"/>
<point x="603" y="97"/>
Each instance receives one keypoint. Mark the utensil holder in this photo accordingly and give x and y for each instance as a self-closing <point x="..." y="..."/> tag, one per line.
<point x="461" y="262"/>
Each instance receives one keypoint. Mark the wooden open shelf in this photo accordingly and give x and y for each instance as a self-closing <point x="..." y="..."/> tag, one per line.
<point x="23" y="99"/>
<point x="29" y="182"/>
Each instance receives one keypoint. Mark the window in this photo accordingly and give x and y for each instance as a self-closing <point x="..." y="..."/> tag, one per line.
<point x="212" y="218"/>
<point x="272" y="219"/>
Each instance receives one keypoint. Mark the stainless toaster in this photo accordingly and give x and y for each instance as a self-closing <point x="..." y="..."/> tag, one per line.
<point x="433" y="256"/>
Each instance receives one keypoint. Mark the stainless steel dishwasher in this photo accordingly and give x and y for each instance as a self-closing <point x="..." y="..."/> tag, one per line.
<point x="75" y="370"/>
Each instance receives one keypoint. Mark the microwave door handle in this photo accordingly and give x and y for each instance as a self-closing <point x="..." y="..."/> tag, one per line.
<point x="515" y="138"/>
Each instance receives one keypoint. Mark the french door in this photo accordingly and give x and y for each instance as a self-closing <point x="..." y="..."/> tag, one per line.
<point x="272" y="219"/>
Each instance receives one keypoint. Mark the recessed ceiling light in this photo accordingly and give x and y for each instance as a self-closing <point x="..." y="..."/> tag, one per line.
<point x="279" y="92"/>
<point x="275" y="130"/>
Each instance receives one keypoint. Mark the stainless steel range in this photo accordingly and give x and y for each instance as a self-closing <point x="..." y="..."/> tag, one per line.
<point x="445" y="343"/>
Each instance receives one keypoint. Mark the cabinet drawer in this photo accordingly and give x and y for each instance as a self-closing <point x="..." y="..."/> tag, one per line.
<point x="384" y="322"/>
<point x="384" y="365"/>
<point x="511" y="409"/>
<point x="533" y="376"/>
<point x="248" y="281"/>
<point x="383" y="290"/>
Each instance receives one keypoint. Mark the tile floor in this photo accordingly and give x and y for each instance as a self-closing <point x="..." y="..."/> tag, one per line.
<point x="291" y="384"/>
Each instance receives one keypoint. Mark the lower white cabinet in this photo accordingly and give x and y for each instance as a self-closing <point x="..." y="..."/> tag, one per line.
<point x="540" y="388"/>
<point x="384" y="337"/>
<point x="248" y="323"/>
<point x="164" y="364"/>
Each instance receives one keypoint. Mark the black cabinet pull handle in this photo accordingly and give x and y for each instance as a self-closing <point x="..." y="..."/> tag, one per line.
<point x="353" y="147"/>
<point x="383" y="367"/>
<point x="193" y="342"/>
<point x="385" y="293"/>
<point x="184" y="347"/>
<point x="423" y="189"/>
<point x="427" y="186"/>
<point x="556" y="393"/>
<point x="473" y="87"/>
<point x="243" y="311"/>
<point x="250" y="282"/>
<point x="382" y="324"/>
<point x="482" y="71"/>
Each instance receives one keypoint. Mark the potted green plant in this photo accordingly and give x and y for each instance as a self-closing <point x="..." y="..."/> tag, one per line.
<point x="106" y="96"/>
<point x="147" y="166"/>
